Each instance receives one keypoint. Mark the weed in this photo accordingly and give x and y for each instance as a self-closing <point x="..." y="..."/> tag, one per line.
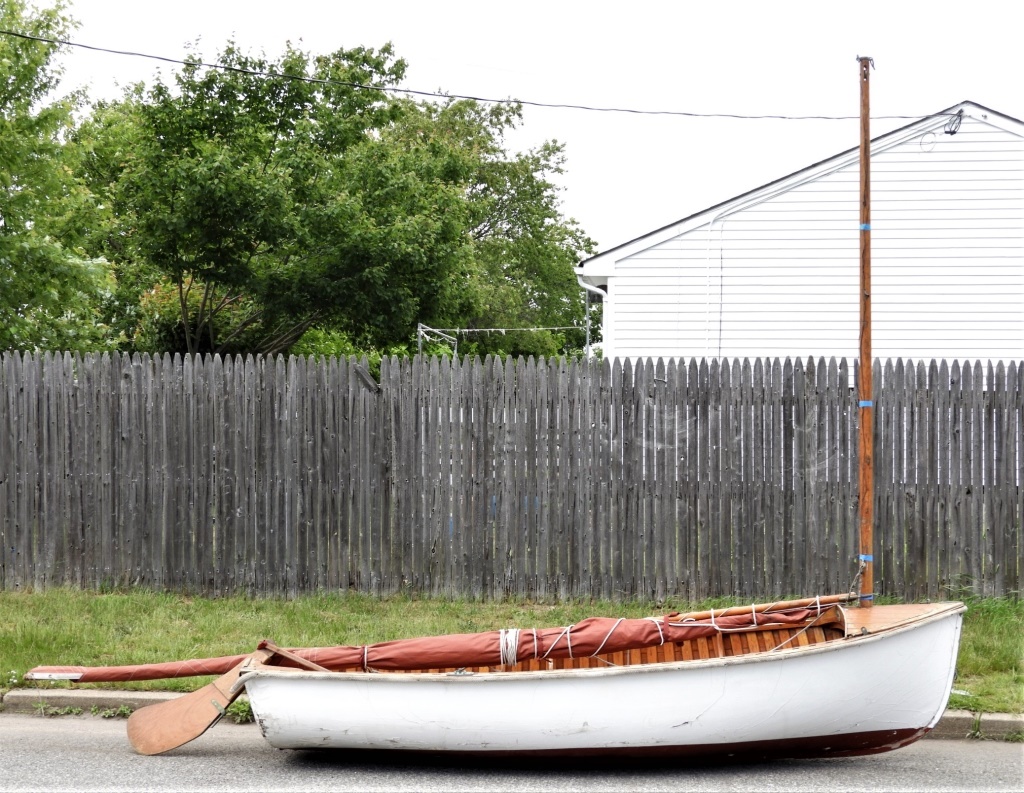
<point x="976" y="733"/>
<point x="43" y="709"/>
<point x="122" y="712"/>
<point x="240" y="712"/>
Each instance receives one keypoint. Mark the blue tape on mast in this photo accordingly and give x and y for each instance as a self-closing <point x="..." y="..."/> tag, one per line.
<point x="866" y="403"/>
<point x="865" y="227"/>
<point x="866" y="557"/>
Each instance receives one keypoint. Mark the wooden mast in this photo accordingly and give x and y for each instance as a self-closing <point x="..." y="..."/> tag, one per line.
<point x="866" y="436"/>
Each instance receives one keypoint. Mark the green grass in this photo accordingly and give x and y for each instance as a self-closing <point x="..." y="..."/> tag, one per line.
<point x="990" y="666"/>
<point x="64" y="626"/>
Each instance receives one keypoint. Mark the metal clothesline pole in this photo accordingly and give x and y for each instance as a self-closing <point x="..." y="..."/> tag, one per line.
<point x="427" y="332"/>
<point x="424" y="331"/>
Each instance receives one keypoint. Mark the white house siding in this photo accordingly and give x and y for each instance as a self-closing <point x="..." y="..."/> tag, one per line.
<point x="775" y="273"/>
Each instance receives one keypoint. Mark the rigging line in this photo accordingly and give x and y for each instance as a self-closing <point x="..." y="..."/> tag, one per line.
<point x="439" y="95"/>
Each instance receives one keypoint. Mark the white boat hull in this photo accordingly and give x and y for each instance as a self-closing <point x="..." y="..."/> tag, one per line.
<point x="857" y="695"/>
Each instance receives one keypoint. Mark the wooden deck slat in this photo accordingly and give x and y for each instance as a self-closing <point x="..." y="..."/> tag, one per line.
<point x="881" y="618"/>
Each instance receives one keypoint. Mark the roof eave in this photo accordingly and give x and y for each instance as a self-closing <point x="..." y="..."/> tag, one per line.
<point x="611" y="255"/>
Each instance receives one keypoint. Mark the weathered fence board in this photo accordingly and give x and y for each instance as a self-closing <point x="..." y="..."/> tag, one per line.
<point x="502" y="478"/>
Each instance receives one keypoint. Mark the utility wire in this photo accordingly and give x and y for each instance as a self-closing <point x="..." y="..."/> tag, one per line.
<point x="437" y="95"/>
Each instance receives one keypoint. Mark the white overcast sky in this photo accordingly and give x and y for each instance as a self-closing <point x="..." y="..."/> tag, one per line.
<point x="626" y="174"/>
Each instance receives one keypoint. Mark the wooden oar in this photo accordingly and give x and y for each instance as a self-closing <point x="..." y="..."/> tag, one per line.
<point x="159" y="728"/>
<point x="761" y="608"/>
<point x="167" y="725"/>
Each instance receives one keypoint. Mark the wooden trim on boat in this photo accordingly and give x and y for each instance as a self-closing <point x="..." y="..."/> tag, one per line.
<point x="860" y="621"/>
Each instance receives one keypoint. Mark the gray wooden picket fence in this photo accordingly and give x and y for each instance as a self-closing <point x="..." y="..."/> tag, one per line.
<point x="504" y="478"/>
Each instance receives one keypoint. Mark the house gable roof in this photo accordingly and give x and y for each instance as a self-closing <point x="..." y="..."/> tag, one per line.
<point x="593" y="265"/>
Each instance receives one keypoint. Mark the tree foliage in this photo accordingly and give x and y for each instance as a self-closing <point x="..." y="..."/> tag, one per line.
<point x="524" y="250"/>
<point x="270" y="205"/>
<point x="50" y="292"/>
<point x="218" y="184"/>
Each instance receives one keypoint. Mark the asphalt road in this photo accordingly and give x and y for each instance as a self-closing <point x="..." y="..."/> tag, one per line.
<point x="87" y="753"/>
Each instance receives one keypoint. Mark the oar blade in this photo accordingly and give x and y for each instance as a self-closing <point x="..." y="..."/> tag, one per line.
<point x="159" y="728"/>
<point x="167" y="725"/>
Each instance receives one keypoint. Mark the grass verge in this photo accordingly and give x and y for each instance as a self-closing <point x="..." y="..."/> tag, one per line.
<point x="990" y="666"/>
<point x="64" y="626"/>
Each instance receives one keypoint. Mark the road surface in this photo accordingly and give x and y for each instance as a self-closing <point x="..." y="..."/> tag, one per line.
<point x="87" y="753"/>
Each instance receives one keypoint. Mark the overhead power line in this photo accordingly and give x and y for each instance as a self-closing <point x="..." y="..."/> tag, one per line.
<point x="439" y="95"/>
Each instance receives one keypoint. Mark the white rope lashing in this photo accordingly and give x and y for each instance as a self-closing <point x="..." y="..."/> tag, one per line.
<point x="508" y="640"/>
<point x="608" y="636"/>
<point x="800" y="632"/>
<point x="661" y="633"/>
<point x="567" y="633"/>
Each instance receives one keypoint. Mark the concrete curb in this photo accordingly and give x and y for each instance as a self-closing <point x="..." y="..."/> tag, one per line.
<point x="965" y="724"/>
<point x="953" y="724"/>
<point x="34" y="700"/>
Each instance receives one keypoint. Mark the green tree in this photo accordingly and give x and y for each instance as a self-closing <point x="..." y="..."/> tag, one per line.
<point x="50" y="291"/>
<point x="270" y="204"/>
<point x="251" y="205"/>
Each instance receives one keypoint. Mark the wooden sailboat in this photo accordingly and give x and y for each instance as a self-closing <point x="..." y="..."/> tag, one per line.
<point x="811" y="677"/>
<point x="773" y="680"/>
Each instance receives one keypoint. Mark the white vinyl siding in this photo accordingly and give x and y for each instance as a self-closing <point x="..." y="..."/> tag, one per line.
<point x="776" y="275"/>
